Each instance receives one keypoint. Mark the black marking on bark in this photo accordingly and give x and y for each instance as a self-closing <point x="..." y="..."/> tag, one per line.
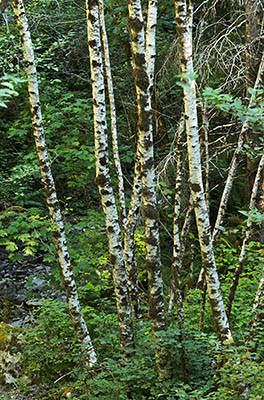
<point x="103" y="161"/>
<point x="108" y="203"/>
<point x="148" y="164"/>
<point x="141" y="76"/>
<point x="151" y="240"/>
<point x="144" y="121"/>
<point x="112" y="259"/>
<point x="195" y="187"/>
<point x="146" y="192"/>
<point x="150" y="212"/>
<point x="148" y="143"/>
<point x="135" y="24"/>
<point x="206" y="240"/>
<point x="104" y="192"/>
<point x="101" y="180"/>
<point x="92" y="43"/>
<point x="110" y="229"/>
<point x="96" y="64"/>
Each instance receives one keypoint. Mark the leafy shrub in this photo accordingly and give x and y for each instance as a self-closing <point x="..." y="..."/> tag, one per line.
<point x="50" y="349"/>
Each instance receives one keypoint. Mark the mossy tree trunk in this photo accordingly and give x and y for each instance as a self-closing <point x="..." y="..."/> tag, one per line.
<point x="103" y="178"/>
<point x="149" y="206"/>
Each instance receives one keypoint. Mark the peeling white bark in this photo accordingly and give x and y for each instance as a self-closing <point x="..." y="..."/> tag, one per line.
<point x="151" y="40"/>
<point x="175" y="282"/>
<point x="48" y="182"/>
<point x="234" y="162"/>
<point x="240" y="265"/>
<point x="118" y="168"/>
<point x="103" y="175"/>
<point x="136" y="196"/>
<point x="196" y="184"/>
<point x="258" y="320"/>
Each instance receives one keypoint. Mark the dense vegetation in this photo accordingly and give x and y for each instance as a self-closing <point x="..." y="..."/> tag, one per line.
<point x="201" y="367"/>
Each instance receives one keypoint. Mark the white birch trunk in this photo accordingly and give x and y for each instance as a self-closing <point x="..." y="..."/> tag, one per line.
<point x="151" y="41"/>
<point x="118" y="168"/>
<point x="240" y="265"/>
<point x="103" y="176"/>
<point x="129" y="231"/>
<point x="137" y="184"/>
<point x="234" y="162"/>
<point x="149" y="209"/>
<point x="257" y="322"/>
<point x="128" y="224"/>
<point x="195" y="181"/>
<point x="48" y="182"/>
<point x="176" y="253"/>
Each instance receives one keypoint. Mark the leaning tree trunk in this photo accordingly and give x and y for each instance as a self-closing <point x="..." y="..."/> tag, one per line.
<point x="48" y="182"/>
<point x="195" y="181"/>
<point x="248" y="233"/>
<point x="149" y="207"/>
<point x="254" y="49"/>
<point x="257" y="322"/>
<point x="103" y="176"/>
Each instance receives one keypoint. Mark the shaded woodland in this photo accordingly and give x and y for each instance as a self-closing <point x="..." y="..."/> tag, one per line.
<point x="131" y="170"/>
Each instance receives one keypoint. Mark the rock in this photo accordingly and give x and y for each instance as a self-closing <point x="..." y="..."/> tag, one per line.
<point x="9" y="354"/>
<point x="9" y="310"/>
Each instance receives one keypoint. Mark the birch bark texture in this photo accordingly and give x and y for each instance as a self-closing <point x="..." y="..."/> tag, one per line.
<point x="146" y="152"/>
<point x="103" y="179"/>
<point x="234" y="162"/>
<point x="184" y="28"/>
<point x="241" y="260"/>
<point x="118" y="167"/>
<point x="49" y="186"/>
<point x="136" y="196"/>
<point x="257" y="322"/>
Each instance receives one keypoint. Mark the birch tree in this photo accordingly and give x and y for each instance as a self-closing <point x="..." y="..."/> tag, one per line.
<point x="256" y="324"/>
<point x="146" y="152"/>
<point x="103" y="175"/>
<point x="184" y="27"/>
<point x="240" y="265"/>
<point x="118" y="167"/>
<point x="254" y="49"/>
<point x="49" y="186"/>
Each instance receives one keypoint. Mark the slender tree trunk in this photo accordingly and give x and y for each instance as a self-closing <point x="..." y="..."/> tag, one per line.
<point x="119" y="173"/>
<point x="205" y="127"/>
<point x="129" y="232"/>
<point x="135" y="203"/>
<point x="257" y="323"/>
<point x="149" y="208"/>
<point x="176" y="260"/>
<point x="195" y="181"/>
<point x="151" y="41"/>
<point x="240" y="265"/>
<point x="127" y="225"/>
<point x="103" y="176"/>
<point x="254" y="44"/>
<point x="177" y="254"/>
<point x="254" y="48"/>
<point x="48" y="182"/>
<point x="234" y="162"/>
